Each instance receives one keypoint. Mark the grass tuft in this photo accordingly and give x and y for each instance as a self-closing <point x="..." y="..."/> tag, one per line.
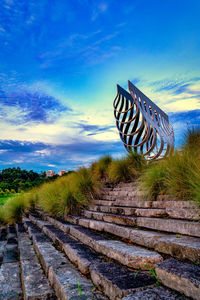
<point x="100" y="168"/>
<point x="178" y="174"/>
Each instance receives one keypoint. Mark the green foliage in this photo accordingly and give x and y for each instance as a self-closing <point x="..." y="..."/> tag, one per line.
<point x="119" y="171"/>
<point x="79" y="288"/>
<point x="59" y="197"/>
<point x="127" y="168"/>
<point x="4" y="198"/>
<point x="100" y="169"/>
<point x="178" y="174"/>
<point x="136" y="161"/>
<point x="17" y="179"/>
<point x="153" y="179"/>
<point x="192" y="139"/>
<point x="14" y="208"/>
<point x="152" y="271"/>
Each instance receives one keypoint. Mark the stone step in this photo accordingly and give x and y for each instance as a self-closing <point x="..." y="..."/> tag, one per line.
<point x="111" y="278"/>
<point x="117" y="281"/>
<point x="67" y="282"/>
<point x="77" y="252"/>
<point x="169" y="225"/>
<point x="34" y="284"/>
<point x="181" y="247"/>
<point x="184" y="206"/>
<point x="111" y="218"/>
<point x="112" y="287"/>
<point x="129" y="211"/>
<point x="157" y="293"/>
<point x="129" y="255"/>
<point x="10" y="284"/>
<point x="10" y="254"/>
<point x="176" y="213"/>
<point x="3" y="242"/>
<point x="179" y="276"/>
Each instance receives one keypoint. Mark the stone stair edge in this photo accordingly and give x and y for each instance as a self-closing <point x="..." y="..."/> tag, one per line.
<point x="111" y="289"/>
<point x="128" y="255"/>
<point x="182" y="214"/>
<point x="180" y="246"/>
<point x="63" y="276"/>
<point x="190" y="289"/>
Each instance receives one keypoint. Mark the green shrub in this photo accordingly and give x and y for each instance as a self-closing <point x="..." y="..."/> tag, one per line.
<point x="153" y="179"/>
<point x="192" y="139"/>
<point x="127" y="168"/>
<point x="14" y="208"/>
<point x="2" y="217"/>
<point x="100" y="169"/>
<point x="119" y="171"/>
<point x="136" y="161"/>
<point x="178" y="174"/>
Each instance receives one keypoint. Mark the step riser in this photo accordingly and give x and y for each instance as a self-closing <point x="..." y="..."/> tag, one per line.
<point x="185" y="214"/>
<point x="175" y="226"/>
<point x="110" y="288"/>
<point x="130" y="256"/>
<point x="184" y="278"/>
<point x="168" y="225"/>
<point x="179" y="247"/>
<point x="61" y="273"/>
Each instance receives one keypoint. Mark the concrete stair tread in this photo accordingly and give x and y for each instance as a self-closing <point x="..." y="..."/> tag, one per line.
<point x="156" y="293"/>
<point x="129" y="255"/>
<point x="154" y="211"/>
<point x="185" y="227"/>
<point x="179" y="246"/>
<point x="117" y="281"/>
<point x="34" y="283"/>
<point x="62" y="275"/>
<point x="179" y="276"/>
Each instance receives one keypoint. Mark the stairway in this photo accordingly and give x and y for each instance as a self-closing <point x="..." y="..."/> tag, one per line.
<point x="121" y="247"/>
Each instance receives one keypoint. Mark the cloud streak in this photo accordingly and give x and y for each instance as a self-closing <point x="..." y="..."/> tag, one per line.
<point x="34" y="107"/>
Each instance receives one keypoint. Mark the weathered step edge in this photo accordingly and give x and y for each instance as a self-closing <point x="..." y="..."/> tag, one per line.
<point x="115" y="287"/>
<point x="179" y="276"/>
<point x="181" y="247"/>
<point x="169" y="225"/>
<point x="34" y="284"/>
<point x="128" y="255"/>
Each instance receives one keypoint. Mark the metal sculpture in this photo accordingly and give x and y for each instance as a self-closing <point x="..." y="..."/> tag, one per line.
<point x="142" y="125"/>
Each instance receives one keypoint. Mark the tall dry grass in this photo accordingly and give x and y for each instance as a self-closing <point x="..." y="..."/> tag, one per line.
<point x="178" y="174"/>
<point x="126" y="169"/>
<point x="100" y="168"/>
<point x="64" y="195"/>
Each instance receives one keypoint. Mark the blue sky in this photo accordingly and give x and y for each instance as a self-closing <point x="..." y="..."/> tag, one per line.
<point x="60" y="63"/>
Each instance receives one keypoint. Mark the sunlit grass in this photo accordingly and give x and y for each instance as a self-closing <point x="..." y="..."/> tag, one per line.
<point x="100" y="168"/>
<point x="178" y="174"/>
<point x="126" y="169"/>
